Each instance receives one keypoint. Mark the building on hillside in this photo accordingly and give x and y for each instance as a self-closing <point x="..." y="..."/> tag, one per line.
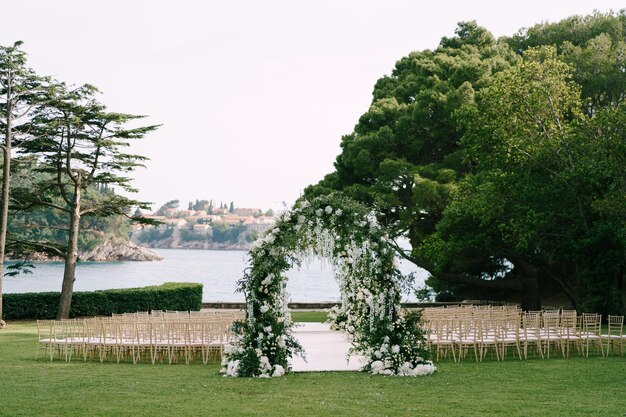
<point x="203" y="229"/>
<point x="170" y="212"/>
<point x="185" y="213"/>
<point x="175" y="223"/>
<point x="266" y="220"/>
<point x="204" y="219"/>
<point x="231" y="219"/>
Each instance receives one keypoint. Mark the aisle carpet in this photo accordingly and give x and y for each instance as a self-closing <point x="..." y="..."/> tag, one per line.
<point x="324" y="349"/>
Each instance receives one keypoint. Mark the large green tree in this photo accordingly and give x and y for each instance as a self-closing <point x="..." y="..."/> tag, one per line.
<point x="80" y="149"/>
<point x="529" y="212"/>
<point x="21" y="89"/>
<point x="413" y="157"/>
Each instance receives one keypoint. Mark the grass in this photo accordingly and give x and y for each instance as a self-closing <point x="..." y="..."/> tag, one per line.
<point x="309" y="316"/>
<point x="592" y="386"/>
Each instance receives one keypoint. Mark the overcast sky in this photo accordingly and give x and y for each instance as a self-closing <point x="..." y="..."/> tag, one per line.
<point x="254" y="96"/>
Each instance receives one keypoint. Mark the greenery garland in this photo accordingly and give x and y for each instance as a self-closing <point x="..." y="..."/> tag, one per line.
<point x="348" y="235"/>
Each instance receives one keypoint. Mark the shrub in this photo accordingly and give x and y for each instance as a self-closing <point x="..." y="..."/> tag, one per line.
<point x="44" y="305"/>
<point x="153" y="234"/>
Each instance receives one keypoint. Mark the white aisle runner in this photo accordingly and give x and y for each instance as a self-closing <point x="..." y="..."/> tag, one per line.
<point x="325" y="350"/>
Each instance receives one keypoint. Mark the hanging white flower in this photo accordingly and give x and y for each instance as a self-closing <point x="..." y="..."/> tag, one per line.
<point x="282" y="342"/>
<point x="328" y="209"/>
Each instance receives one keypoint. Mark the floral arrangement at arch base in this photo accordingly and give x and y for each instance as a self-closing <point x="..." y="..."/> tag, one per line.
<point x="347" y="234"/>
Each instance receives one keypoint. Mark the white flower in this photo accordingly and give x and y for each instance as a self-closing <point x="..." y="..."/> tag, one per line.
<point x="378" y="354"/>
<point x="233" y="368"/>
<point x="304" y="204"/>
<point x="395" y="349"/>
<point x="377" y="367"/>
<point x="264" y="360"/>
<point x="328" y="209"/>
<point x="425" y="369"/>
<point x="278" y="371"/>
<point x="319" y="212"/>
<point x="338" y="212"/>
<point x="267" y="280"/>
<point x="301" y="219"/>
<point x="383" y="348"/>
<point x="267" y="329"/>
<point x="282" y="342"/>
<point x="264" y="308"/>
<point x="406" y="369"/>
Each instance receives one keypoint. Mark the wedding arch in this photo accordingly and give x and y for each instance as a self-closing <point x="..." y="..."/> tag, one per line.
<point x="348" y="235"/>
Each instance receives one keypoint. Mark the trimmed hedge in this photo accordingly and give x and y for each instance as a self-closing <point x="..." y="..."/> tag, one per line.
<point x="44" y="305"/>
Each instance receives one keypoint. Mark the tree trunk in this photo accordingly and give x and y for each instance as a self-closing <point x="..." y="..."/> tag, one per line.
<point x="6" y="182"/>
<point x="71" y="255"/>
<point x="531" y="296"/>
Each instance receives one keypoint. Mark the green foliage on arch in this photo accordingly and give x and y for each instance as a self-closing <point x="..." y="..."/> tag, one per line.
<point x="347" y="234"/>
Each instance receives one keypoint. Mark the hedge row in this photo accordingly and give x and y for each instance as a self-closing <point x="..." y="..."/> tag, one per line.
<point x="44" y="305"/>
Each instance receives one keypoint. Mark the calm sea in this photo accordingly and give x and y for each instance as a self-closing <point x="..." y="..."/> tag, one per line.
<point x="218" y="271"/>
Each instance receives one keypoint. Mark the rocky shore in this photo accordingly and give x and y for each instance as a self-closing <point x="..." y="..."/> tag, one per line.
<point x="109" y="250"/>
<point x="119" y="251"/>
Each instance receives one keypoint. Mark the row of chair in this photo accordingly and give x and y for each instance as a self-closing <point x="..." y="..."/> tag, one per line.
<point x="455" y="331"/>
<point x="138" y="337"/>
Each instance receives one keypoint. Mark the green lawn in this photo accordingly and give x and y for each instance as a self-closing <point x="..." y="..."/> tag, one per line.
<point x="595" y="386"/>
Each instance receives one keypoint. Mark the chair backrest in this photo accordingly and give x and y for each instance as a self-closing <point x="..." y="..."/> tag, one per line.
<point x="592" y="323"/>
<point x="616" y="325"/>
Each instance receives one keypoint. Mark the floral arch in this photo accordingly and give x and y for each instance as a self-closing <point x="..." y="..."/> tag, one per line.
<point x="348" y="235"/>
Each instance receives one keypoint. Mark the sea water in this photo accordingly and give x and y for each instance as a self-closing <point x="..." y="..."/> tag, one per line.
<point x="217" y="270"/>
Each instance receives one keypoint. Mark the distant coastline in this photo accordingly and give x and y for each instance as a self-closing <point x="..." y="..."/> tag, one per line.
<point x="107" y="251"/>
<point x="239" y="246"/>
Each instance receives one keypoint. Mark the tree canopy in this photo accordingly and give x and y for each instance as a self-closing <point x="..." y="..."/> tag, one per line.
<point x="500" y="161"/>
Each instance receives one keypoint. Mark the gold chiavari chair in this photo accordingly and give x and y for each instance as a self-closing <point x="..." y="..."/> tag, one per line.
<point x="531" y="331"/>
<point x="614" y="336"/>
<point x="590" y="333"/>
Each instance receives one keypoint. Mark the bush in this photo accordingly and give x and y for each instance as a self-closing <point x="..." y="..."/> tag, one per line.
<point x="153" y="234"/>
<point x="44" y="305"/>
<point x="192" y="236"/>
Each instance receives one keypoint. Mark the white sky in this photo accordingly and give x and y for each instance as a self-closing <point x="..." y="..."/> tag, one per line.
<point x="254" y="96"/>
